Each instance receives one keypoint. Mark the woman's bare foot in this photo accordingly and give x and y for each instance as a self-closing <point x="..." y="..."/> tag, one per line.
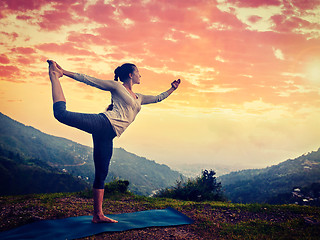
<point x="100" y="218"/>
<point x="53" y="69"/>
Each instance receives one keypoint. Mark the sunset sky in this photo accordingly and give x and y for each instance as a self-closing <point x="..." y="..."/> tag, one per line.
<point x="250" y="70"/>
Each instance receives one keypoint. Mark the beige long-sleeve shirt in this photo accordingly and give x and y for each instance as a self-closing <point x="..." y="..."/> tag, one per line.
<point x="125" y="106"/>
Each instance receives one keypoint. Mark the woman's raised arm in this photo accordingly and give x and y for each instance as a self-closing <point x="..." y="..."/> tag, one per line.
<point x="147" y="99"/>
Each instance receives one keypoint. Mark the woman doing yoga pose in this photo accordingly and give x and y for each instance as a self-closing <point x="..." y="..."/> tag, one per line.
<point x="104" y="126"/>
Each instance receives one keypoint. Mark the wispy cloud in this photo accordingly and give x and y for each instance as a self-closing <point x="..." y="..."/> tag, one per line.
<point x="278" y="54"/>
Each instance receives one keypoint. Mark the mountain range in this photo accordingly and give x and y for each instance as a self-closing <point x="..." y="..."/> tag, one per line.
<point x="276" y="184"/>
<point x="34" y="162"/>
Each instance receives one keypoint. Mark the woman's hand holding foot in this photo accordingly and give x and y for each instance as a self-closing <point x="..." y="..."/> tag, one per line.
<point x="54" y="74"/>
<point x="55" y="69"/>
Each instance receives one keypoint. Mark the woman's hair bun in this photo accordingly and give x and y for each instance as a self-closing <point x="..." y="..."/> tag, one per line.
<point x="117" y="73"/>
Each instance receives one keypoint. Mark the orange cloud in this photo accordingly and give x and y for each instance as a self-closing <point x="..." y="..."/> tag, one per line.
<point x="23" y="50"/>
<point x="64" y="48"/>
<point x="8" y="72"/>
<point x="4" y="59"/>
<point x="21" y="5"/>
<point x="255" y="3"/>
<point x="53" y="20"/>
<point x="12" y="36"/>
<point x="83" y="39"/>
<point x="100" y="12"/>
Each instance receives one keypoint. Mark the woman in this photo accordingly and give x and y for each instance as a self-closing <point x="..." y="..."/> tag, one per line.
<point x="104" y="126"/>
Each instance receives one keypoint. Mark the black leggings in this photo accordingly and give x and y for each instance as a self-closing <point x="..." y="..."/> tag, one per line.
<point x="102" y="133"/>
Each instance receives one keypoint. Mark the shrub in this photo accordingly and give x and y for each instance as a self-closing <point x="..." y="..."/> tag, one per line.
<point x="112" y="188"/>
<point x="116" y="186"/>
<point x="203" y="188"/>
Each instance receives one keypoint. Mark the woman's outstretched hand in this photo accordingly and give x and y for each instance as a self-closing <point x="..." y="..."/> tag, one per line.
<point x="55" y="68"/>
<point x="175" y="84"/>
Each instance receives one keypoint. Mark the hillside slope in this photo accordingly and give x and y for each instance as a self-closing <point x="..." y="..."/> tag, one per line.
<point x="263" y="185"/>
<point x="20" y="175"/>
<point x="144" y="175"/>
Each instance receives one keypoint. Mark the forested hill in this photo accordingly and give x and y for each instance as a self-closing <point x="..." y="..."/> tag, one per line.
<point x="19" y="175"/>
<point x="66" y="156"/>
<point x="275" y="184"/>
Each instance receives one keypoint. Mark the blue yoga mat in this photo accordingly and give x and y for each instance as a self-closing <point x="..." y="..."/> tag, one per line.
<point x="77" y="227"/>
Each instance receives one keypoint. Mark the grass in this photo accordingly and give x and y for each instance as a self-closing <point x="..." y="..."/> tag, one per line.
<point x="213" y="220"/>
<point x="259" y="229"/>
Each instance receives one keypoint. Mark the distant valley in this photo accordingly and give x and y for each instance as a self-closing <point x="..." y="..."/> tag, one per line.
<point x="194" y="170"/>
